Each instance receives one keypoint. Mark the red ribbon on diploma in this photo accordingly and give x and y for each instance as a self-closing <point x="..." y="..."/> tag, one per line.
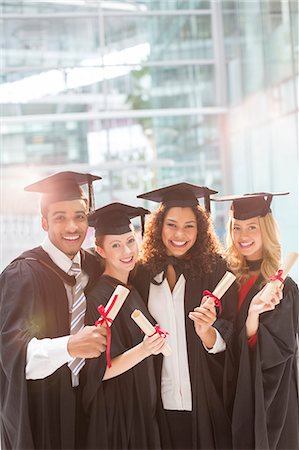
<point x="104" y="319"/>
<point x="217" y="301"/>
<point x="277" y="276"/>
<point x="162" y="333"/>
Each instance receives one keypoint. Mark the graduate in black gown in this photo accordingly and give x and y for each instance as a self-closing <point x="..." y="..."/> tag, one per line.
<point x="38" y="398"/>
<point x="180" y="259"/>
<point x="120" y="401"/>
<point x="266" y="403"/>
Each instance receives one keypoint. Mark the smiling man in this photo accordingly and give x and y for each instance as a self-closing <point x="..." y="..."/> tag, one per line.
<point x="44" y="343"/>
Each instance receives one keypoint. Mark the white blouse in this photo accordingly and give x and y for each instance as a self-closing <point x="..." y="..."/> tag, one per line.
<point x="167" y="308"/>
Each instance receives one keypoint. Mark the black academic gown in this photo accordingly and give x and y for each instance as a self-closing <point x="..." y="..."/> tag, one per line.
<point x="120" y="412"/>
<point x="266" y="403"/>
<point x="35" y="414"/>
<point x="211" y="375"/>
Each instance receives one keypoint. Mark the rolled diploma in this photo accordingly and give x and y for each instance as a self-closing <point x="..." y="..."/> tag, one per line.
<point x="224" y="284"/>
<point x="269" y="289"/>
<point x="148" y="328"/>
<point x="122" y="293"/>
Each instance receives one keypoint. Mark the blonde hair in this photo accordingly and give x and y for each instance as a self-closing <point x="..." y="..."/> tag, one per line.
<point x="271" y="250"/>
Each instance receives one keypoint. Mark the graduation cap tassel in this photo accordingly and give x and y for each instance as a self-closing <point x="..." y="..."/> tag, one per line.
<point x="207" y="202"/>
<point x="142" y="225"/>
<point x="268" y="203"/>
<point x="91" y="197"/>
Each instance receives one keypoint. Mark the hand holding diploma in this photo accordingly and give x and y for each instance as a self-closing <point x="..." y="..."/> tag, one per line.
<point x="258" y="306"/>
<point x="149" y="329"/>
<point x="109" y="312"/>
<point x="221" y="288"/>
<point x="205" y="315"/>
<point x="276" y="280"/>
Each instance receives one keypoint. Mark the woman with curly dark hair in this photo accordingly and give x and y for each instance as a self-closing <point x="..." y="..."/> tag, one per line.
<point x="181" y="257"/>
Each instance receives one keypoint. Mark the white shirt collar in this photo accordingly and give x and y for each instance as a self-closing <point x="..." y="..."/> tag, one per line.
<point x="58" y="257"/>
<point x="159" y="277"/>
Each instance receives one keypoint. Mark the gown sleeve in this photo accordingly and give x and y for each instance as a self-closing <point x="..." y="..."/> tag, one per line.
<point x="94" y="369"/>
<point x="225" y="322"/>
<point x="266" y="401"/>
<point x="18" y="292"/>
<point x="274" y="358"/>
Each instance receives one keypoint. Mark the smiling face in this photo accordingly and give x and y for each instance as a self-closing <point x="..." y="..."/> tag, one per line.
<point x="120" y="253"/>
<point x="179" y="231"/>
<point x="247" y="238"/>
<point x="66" y="224"/>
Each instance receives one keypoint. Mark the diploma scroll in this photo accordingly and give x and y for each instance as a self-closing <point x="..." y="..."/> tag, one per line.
<point x="221" y="288"/>
<point x="110" y="311"/>
<point x="268" y="292"/>
<point x="148" y="328"/>
<point x="224" y="284"/>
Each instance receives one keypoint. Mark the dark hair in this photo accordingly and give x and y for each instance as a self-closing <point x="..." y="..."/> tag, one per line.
<point x="199" y="260"/>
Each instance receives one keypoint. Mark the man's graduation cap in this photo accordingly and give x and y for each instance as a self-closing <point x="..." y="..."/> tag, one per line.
<point x="115" y="218"/>
<point x="180" y="194"/>
<point x="64" y="186"/>
<point x="250" y="205"/>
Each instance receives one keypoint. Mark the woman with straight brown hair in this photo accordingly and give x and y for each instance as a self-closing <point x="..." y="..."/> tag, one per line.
<point x="120" y="400"/>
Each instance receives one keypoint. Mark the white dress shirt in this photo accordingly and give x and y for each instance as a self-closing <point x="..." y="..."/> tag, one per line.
<point x="45" y="356"/>
<point x="168" y="310"/>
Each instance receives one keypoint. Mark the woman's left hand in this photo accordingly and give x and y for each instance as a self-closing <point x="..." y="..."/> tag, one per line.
<point x="258" y="306"/>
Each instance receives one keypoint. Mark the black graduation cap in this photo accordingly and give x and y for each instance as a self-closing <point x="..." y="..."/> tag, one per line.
<point x="115" y="218"/>
<point x="250" y="205"/>
<point x="64" y="186"/>
<point x="180" y="194"/>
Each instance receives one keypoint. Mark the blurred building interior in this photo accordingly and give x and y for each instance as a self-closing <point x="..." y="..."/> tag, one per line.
<point x="146" y="94"/>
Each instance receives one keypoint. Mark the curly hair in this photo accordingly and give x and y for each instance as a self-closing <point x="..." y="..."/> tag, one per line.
<point x="271" y="250"/>
<point x="199" y="260"/>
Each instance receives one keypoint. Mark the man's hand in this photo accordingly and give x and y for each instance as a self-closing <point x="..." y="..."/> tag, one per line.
<point x="90" y="342"/>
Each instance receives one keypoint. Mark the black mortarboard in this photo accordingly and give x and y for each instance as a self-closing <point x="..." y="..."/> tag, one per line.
<point x="250" y="205"/>
<point x="64" y="186"/>
<point x="115" y="218"/>
<point x="180" y="194"/>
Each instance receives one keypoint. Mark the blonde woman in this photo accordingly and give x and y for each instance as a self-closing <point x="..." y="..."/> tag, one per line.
<point x="265" y="412"/>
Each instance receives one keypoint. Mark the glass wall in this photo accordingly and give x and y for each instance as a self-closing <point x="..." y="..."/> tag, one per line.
<point x="124" y="89"/>
<point x="145" y="94"/>
<point x="261" y="42"/>
<point x="74" y="69"/>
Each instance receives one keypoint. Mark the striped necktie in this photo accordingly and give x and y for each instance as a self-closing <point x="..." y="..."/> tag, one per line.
<point x="77" y="314"/>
